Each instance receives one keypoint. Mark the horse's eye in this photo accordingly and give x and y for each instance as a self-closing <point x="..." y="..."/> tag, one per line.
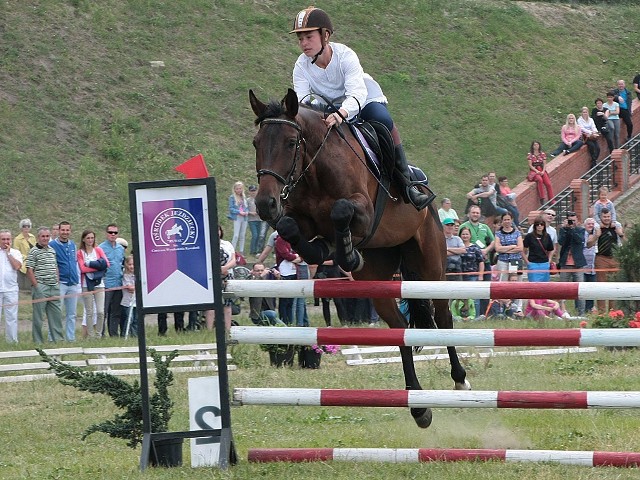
<point x="292" y="143"/>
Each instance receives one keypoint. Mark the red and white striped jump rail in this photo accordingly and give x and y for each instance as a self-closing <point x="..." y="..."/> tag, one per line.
<point x="415" y="455"/>
<point x="435" y="398"/>
<point x="434" y="290"/>
<point x="567" y="337"/>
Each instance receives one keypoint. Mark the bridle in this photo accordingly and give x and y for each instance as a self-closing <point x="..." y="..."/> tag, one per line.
<point x="288" y="181"/>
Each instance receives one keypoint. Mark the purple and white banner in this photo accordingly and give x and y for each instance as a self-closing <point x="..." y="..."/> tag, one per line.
<point x="175" y="256"/>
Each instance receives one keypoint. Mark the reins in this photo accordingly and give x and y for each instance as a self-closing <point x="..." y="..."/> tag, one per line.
<point x="289" y="183"/>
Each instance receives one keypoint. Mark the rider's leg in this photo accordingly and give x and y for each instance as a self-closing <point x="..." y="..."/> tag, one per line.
<point x="378" y="111"/>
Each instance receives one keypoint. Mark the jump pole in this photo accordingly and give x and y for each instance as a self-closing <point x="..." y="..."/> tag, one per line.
<point x="567" y="337"/>
<point x="417" y="455"/>
<point x="434" y="290"/>
<point x="435" y="398"/>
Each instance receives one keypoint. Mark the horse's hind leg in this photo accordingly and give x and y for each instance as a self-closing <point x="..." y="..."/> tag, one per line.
<point x="388" y="309"/>
<point x="444" y="320"/>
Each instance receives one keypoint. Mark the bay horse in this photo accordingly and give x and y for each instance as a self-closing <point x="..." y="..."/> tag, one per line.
<point x="316" y="189"/>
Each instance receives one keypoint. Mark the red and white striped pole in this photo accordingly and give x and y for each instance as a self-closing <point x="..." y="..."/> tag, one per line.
<point x="415" y="455"/>
<point x="567" y="337"/>
<point x="435" y="398"/>
<point x="434" y="290"/>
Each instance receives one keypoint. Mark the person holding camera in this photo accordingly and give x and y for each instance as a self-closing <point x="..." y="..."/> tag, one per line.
<point x="600" y="116"/>
<point x="572" y="260"/>
<point x="455" y="248"/>
<point x="262" y="310"/>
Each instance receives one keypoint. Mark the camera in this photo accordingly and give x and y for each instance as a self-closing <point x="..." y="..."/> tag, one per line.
<point x="570" y="222"/>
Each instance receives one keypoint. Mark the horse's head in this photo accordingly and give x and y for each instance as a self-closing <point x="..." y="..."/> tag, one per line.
<point x="278" y="155"/>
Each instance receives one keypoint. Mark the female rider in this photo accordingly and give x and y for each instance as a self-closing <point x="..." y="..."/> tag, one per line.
<point x="332" y="70"/>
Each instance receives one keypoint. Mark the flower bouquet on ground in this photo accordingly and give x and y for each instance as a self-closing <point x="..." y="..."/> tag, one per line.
<point x="310" y="356"/>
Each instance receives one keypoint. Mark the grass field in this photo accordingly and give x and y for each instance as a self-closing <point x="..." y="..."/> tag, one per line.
<point x="470" y="84"/>
<point x="44" y="420"/>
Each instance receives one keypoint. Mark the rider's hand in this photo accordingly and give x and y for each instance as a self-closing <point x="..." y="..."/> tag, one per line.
<point x="334" y="119"/>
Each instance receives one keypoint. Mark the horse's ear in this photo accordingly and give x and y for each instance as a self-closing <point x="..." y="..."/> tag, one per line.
<point x="256" y="105"/>
<point x="290" y="102"/>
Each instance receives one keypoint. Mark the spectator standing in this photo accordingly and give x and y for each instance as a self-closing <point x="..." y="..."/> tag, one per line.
<point x="239" y="214"/>
<point x="509" y="246"/>
<point x="24" y="242"/>
<point x="571" y="261"/>
<point x="128" y="302"/>
<point x="608" y="235"/>
<point x="624" y="99"/>
<point x="445" y="210"/>
<point x="113" y="279"/>
<point x="55" y="231"/>
<point x="571" y="137"/>
<point x="92" y="281"/>
<point x="227" y="262"/>
<point x="538" y="247"/>
<point x="255" y="224"/>
<point x="455" y="248"/>
<point x="602" y="203"/>
<point x="613" y="121"/>
<point x="42" y="271"/>
<point x="590" y="135"/>
<point x="538" y="171"/>
<point x="69" y="276"/>
<point x="483" y="237"/>
<point x="589" y="253"/>
<point x="549" y="216"/>
<point x="600" y="116"/>
<point x="286" y="259"/>
<point x="10" y="264"/>
<point x="471" y="261"/>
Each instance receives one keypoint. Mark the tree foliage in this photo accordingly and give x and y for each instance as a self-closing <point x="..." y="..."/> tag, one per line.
<point x="127" y="424"/>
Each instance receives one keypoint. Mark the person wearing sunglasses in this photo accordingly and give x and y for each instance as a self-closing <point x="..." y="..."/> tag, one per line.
<point x="112" y="280"/>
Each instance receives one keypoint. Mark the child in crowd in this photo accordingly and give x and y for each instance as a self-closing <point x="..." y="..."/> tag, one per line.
<point x="501" y="308"/>
<point x="463" y="310"/>
<point x="128" y="299"/>
<point x="541" y="309"/>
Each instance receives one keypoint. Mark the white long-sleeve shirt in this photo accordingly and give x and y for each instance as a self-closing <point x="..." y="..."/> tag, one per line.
<point x="588" y="126"/>
<point x="343" y="76"/>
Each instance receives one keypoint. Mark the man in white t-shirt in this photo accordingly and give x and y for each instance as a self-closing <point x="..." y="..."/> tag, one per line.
<point x="10" y="263"/>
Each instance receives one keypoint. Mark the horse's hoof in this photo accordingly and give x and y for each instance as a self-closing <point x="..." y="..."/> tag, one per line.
<point x="462" y="386"/>
<point x="422" y="416"/>
<point x="289" y="230"/>
<point x="341" y="214"/>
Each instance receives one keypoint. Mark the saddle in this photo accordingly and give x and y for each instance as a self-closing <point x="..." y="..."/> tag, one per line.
<point x="375" y="139"/>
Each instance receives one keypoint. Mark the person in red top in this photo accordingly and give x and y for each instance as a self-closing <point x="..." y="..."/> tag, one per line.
<point x="538" y="171"/>
<point x="286" y="260"/>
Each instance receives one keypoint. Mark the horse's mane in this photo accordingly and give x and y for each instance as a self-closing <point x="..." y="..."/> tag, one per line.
<point x="274" y="110"/>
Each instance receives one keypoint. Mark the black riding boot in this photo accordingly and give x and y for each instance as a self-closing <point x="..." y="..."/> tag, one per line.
<point x="410" y="191"/>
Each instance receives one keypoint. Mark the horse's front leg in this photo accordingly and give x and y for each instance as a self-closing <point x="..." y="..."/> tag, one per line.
<point x="314" y="252"/>
<point x="347" y="215"/>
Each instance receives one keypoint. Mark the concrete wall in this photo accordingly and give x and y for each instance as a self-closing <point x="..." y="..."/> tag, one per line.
<point x="565" y="168"/>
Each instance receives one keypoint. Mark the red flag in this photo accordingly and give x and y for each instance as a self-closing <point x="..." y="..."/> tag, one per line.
<point x="194" y="167"/>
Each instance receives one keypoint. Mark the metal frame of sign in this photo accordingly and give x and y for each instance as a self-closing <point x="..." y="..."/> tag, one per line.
<point x="190" y="204"/>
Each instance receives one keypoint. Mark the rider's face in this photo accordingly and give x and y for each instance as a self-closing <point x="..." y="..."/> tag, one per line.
<point x="309" y="42"/>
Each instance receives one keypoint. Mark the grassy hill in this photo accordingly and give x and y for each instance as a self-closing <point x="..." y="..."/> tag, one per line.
<point x="470" y="83"/>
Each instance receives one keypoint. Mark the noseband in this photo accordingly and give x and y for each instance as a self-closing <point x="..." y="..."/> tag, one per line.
<point x="288" y="182"/>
